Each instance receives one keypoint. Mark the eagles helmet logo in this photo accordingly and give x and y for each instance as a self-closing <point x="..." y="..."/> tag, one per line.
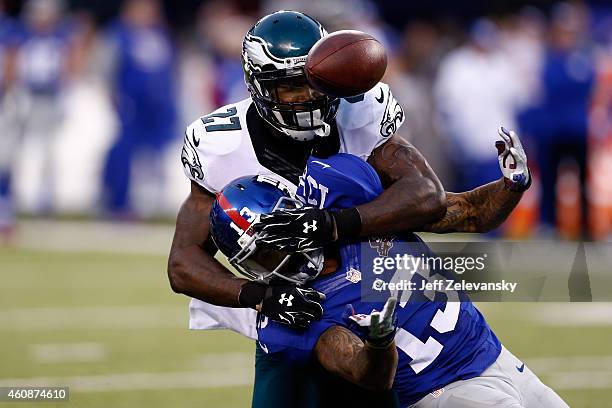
<point x="274" y="53"/>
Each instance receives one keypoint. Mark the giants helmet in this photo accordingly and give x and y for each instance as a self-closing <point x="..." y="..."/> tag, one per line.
<point x="274" y="53"/>
<point x="232" y="216"/>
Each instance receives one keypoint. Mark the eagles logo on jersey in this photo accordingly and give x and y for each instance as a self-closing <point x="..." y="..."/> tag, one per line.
<point x="190" y="158"/>
<point x="393" y="116"/>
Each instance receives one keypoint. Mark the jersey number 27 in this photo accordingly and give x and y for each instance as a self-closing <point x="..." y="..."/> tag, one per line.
<point x="233" y="124"/>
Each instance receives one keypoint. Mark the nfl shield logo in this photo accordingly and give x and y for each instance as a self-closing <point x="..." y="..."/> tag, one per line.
<point x="353" y="275"/>
<point x="437" y="393"/>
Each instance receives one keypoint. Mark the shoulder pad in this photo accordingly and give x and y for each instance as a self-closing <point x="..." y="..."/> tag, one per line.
<point x="211" y="136"/>
<point x="369" y="120"/>
<point x="377" y="108"/>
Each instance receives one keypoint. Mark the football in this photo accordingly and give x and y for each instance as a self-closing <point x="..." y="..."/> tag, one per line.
<point x="346" y="63"/>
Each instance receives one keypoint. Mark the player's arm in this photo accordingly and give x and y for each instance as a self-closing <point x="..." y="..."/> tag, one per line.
<point x="480" y="210"/>
<point x="486" y="207"/>
<point x="191" y="270"/>
<point x="412" y="201"/>
<point x="413" y="195"/>
<point x="194" y="272"/>
<point x="342" y="353"/>
<point x="371" y="363"/>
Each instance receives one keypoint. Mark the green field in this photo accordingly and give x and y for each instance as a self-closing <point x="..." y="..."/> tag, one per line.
<point x="108" y="326"/>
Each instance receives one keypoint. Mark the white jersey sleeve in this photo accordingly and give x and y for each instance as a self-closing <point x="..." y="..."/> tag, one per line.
<point x="217" y="148"/>
<point x="204" y="316"/>
<point x="369" y="120"/>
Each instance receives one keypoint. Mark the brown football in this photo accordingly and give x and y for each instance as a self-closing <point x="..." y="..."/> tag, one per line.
<point x="346" y="63"/>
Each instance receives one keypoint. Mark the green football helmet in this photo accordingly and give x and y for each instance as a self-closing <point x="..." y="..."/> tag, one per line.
<point x="274" y="53"/>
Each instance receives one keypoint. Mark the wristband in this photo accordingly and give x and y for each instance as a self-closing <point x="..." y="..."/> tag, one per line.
<point x="251" y="294"/>
<point x="516" y="187"/>
<point x="348" y="223"/>
<point x="381" y="343"/>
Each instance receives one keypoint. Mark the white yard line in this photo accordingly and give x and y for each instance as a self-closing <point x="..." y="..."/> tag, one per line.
<point x="94" y="236"/>
<point x="237" y="369"/>
<point x="68" y="352"/>
<point x="141" y="381"/>
<point x="580" y="380"/>
<point x="98" y="317"/>
<point x="120" y="237"/>
<point x="574" y="372"/>
<point x="570" y="363"/>
<point x="216" y="371"/>
<point x="573" y="314"/>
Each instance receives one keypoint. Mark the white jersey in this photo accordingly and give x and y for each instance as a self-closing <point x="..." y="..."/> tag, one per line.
<point x="219" y="149"/>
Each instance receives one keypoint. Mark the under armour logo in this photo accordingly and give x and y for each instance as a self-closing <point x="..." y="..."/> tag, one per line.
<point x="307" y="227"/>
<point x="284" y="298"/>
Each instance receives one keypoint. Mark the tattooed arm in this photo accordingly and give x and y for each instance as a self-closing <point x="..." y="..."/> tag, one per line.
<point x="413" y="195"/>
<point x="343" y="353"/>
<point x="191" y="270"/>
<point x="478" y="210"/>
<point x="401" y="167"/>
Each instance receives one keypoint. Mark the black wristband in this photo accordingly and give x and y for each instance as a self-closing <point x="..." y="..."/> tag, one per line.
<point x="348" y="223"/>
<point x="251" y="294"/>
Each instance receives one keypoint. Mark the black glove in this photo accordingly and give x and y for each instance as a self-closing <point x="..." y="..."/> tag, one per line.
<point x="287" y="304"/>
<point x="306" y="228"/>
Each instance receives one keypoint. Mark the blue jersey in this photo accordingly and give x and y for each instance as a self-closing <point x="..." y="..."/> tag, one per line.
<point x="438" y="341"/>
<point x="7" y="38"/>
<point x="144" y="76"/>
<point x="42" y="57"/>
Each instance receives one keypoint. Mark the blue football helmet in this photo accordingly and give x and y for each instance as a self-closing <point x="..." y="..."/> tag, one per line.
<point x="236" y="209"/>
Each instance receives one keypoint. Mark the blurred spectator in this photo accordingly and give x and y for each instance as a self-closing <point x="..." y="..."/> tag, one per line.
<point x="476" y="92"/>
<point x="522" y="40"/>
<point x="558" y="123"/>
<point x="143" y="87"/>
<point x="223" y="28"/>
<point x="8" y="133"/>
<point x="43" y="58"/>
<point x="411" y="74"/>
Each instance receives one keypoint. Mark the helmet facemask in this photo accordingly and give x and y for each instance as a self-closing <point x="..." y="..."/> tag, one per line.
<point x="286" y="101"/>
<point x="263" y="264"/>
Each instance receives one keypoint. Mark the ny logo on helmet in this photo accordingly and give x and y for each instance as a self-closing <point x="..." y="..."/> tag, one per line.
<point x="284" y="299"/>
<point x="382" y="244"/>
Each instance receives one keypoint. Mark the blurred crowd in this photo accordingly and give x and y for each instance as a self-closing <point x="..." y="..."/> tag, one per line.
<point x="96" y="110"/>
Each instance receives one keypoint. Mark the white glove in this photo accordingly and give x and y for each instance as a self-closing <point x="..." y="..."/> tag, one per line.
<point x="379" y="327"/>
<point x="512" y="160"/>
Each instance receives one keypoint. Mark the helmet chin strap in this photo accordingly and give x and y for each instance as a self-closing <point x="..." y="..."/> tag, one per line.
<point x="323" y="131"/>
<point x="306" y="135"/>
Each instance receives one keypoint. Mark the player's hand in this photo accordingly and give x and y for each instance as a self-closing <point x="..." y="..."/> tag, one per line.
<point x="512" y="160"/>
<point x="378" y="327"/>
<point x="295" y="229"/>
<point x="286" y="304"/>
